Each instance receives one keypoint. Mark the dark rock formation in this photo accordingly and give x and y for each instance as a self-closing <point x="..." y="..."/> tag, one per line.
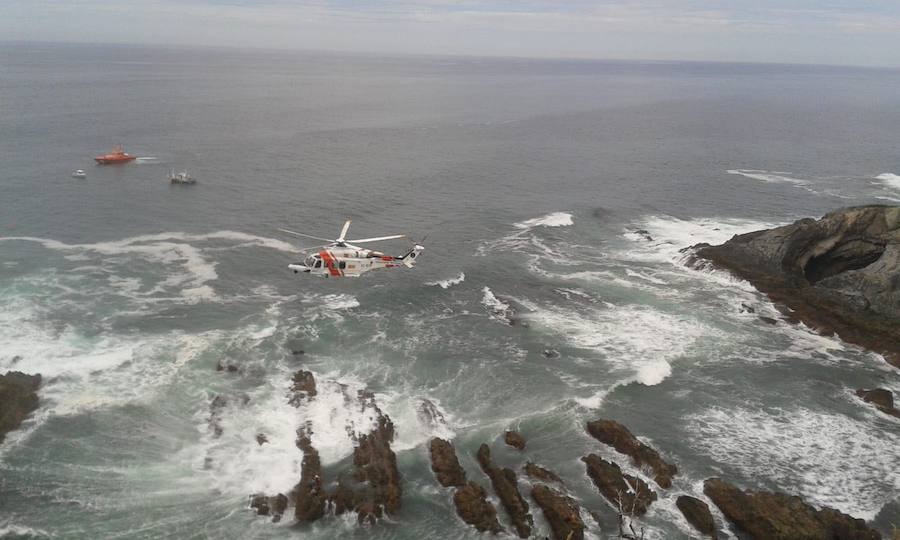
<point x="303" y="387"/>
<point x="376" y="464"/>
<point x="837" y="274"/>
<point x="261" y="438"/>
<point x="881" y="398"/>
<point x="537" y="472"/>
<point x="18" y="399"/>
<point x="627" y="493"/>
<point x="507" y="489"/>
<point x="698" y="515"/>
<point x="473" y="507"/>
<point x="445" y="464"/>
<point x="274" y="506"/>
<point x="215" y="415"/>
<point x="776" y="516"/>
<point x="514" y="439"/>
<point x="562" y="512"/>
<point x="308" y="496"/>
<point x="616" y="435"/>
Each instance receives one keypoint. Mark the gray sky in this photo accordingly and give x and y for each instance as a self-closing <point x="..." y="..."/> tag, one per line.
<point x="797" y="31"/>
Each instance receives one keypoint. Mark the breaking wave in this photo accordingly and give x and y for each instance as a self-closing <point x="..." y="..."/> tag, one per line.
<point x="447" y="283"/>
<point x="768" y="177"/>
<point x="555" y="219"/>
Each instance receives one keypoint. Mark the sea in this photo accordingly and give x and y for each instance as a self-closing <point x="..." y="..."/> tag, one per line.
<point x="554" y="198"/>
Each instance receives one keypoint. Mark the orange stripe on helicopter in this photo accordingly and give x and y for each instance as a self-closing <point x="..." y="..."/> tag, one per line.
<point x="330" y="263"/>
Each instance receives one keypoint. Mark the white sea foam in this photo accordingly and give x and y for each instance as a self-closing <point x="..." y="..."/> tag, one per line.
<point x="555" y="219"/>
<point x="640" y="342"/>
<point x="449" y="282"/>
<point x="498" y="309"/>
<point x="413" y="426"/>
<point x="771" y="177"/>
<point x="11" y="530"/>
<point x="827" y="458"/>
<point x="889" y="180"/>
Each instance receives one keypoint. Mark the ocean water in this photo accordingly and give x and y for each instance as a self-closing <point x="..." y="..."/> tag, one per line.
<point x="555" y="193"/>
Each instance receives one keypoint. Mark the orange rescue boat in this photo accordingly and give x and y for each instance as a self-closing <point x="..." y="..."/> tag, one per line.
<point x="117" y="155"/>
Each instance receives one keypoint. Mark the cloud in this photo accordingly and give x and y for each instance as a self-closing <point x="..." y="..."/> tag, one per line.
<point x="825" y="31"/>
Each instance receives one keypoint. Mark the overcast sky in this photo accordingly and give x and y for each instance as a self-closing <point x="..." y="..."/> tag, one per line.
<point x="797" y="31"/>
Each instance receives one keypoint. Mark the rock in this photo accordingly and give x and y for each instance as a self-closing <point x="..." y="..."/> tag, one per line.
<point x="18" y="399"/>
<point x="698" y="515"/>
<point x="274" y="506"/>
<point x="261" y="504"/>
<point x="473" y="507"/>
<point x="303" y="387"/>
<point x="308" y="496"/>
<point x="507" y="489"/>
<point x="616" y="435"/>
<point x="768" y="320"/>
<point x="878" y="396"/>
<point x="445" y="464"/>
<point x="747" y="309"/>
<point x="261" y="438"/>
<point x="215" y="414"/>
<point x="539" y="473"/>
<point x="562" y="512"/>
<point x="627" y="493"/>
<point x="550" y="353"/>
<point x="376" y="463"/>
<point x="645" y="234"/>
<point x="837" y="274"/>
<point x="881" y="398"/>
<point x="514" y="439"/>
<point x="776" y="516"/>
<point x="429" y="414"/>
<point x="298" y="352"/>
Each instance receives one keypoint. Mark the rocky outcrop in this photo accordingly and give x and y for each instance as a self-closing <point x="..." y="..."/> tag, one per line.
<point x="776" y="516"/>
<point x="561" y="512"/>
<point x="445" y="464"/>
<point x="514" y="439"/>
<point x="536" y="472"/>
<point x="616" y="435"/>
<point x="837" y="274"/>
<point x="18" y="399"/>
<point x="881" y="398"/>
<point x="308" y="496"/>
<point x="376" y="464"/>
<point x="507" y="489"/>
<point x="627" y="493"/>
<point x="697" y="513"/>
<point x="274" y="506"/>
<point x="473" y="507"/>
<point x="303" y="387"/>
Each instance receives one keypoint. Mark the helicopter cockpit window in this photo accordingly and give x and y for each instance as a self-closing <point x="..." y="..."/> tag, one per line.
<point x="318" y="264"/>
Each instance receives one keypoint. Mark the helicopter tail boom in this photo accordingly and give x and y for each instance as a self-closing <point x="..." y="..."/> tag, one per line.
<point x="409" y="259"/>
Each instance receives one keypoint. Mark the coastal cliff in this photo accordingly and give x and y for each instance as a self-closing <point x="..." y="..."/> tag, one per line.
<point x="838" y="274"/>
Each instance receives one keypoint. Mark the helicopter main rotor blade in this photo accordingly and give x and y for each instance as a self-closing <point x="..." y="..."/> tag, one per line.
<point x="344" y="231"/>
<point x="376" y="239"/>
<point x="306" y="235"/>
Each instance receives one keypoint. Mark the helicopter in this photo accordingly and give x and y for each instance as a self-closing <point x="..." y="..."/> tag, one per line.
<point x="341" y="258"/>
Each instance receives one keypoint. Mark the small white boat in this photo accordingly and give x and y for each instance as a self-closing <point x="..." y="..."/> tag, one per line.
<point x="79" y="174"/>
<point x="181" y="178"/>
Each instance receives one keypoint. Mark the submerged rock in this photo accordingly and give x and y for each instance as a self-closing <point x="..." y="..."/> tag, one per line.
<point x="274" y="506"/>
<point x="473" y="507"/>
<point x="561" y="512"/>
<point x="536" y="472"/>
<point x="514" y="439"/>
<point x="837" y="274"/>
<point x="698" y="515"/>
<point x="616" y="435"/>
<point x="507" y="489"/>
<point x="445" y="464"/>
<point x="777" y="516"/>
<point x="627" y="493"/>
<point x="18" y="399"/>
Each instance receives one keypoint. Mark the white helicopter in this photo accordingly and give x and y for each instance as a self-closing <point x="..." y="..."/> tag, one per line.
<point x="340" y="258"/>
